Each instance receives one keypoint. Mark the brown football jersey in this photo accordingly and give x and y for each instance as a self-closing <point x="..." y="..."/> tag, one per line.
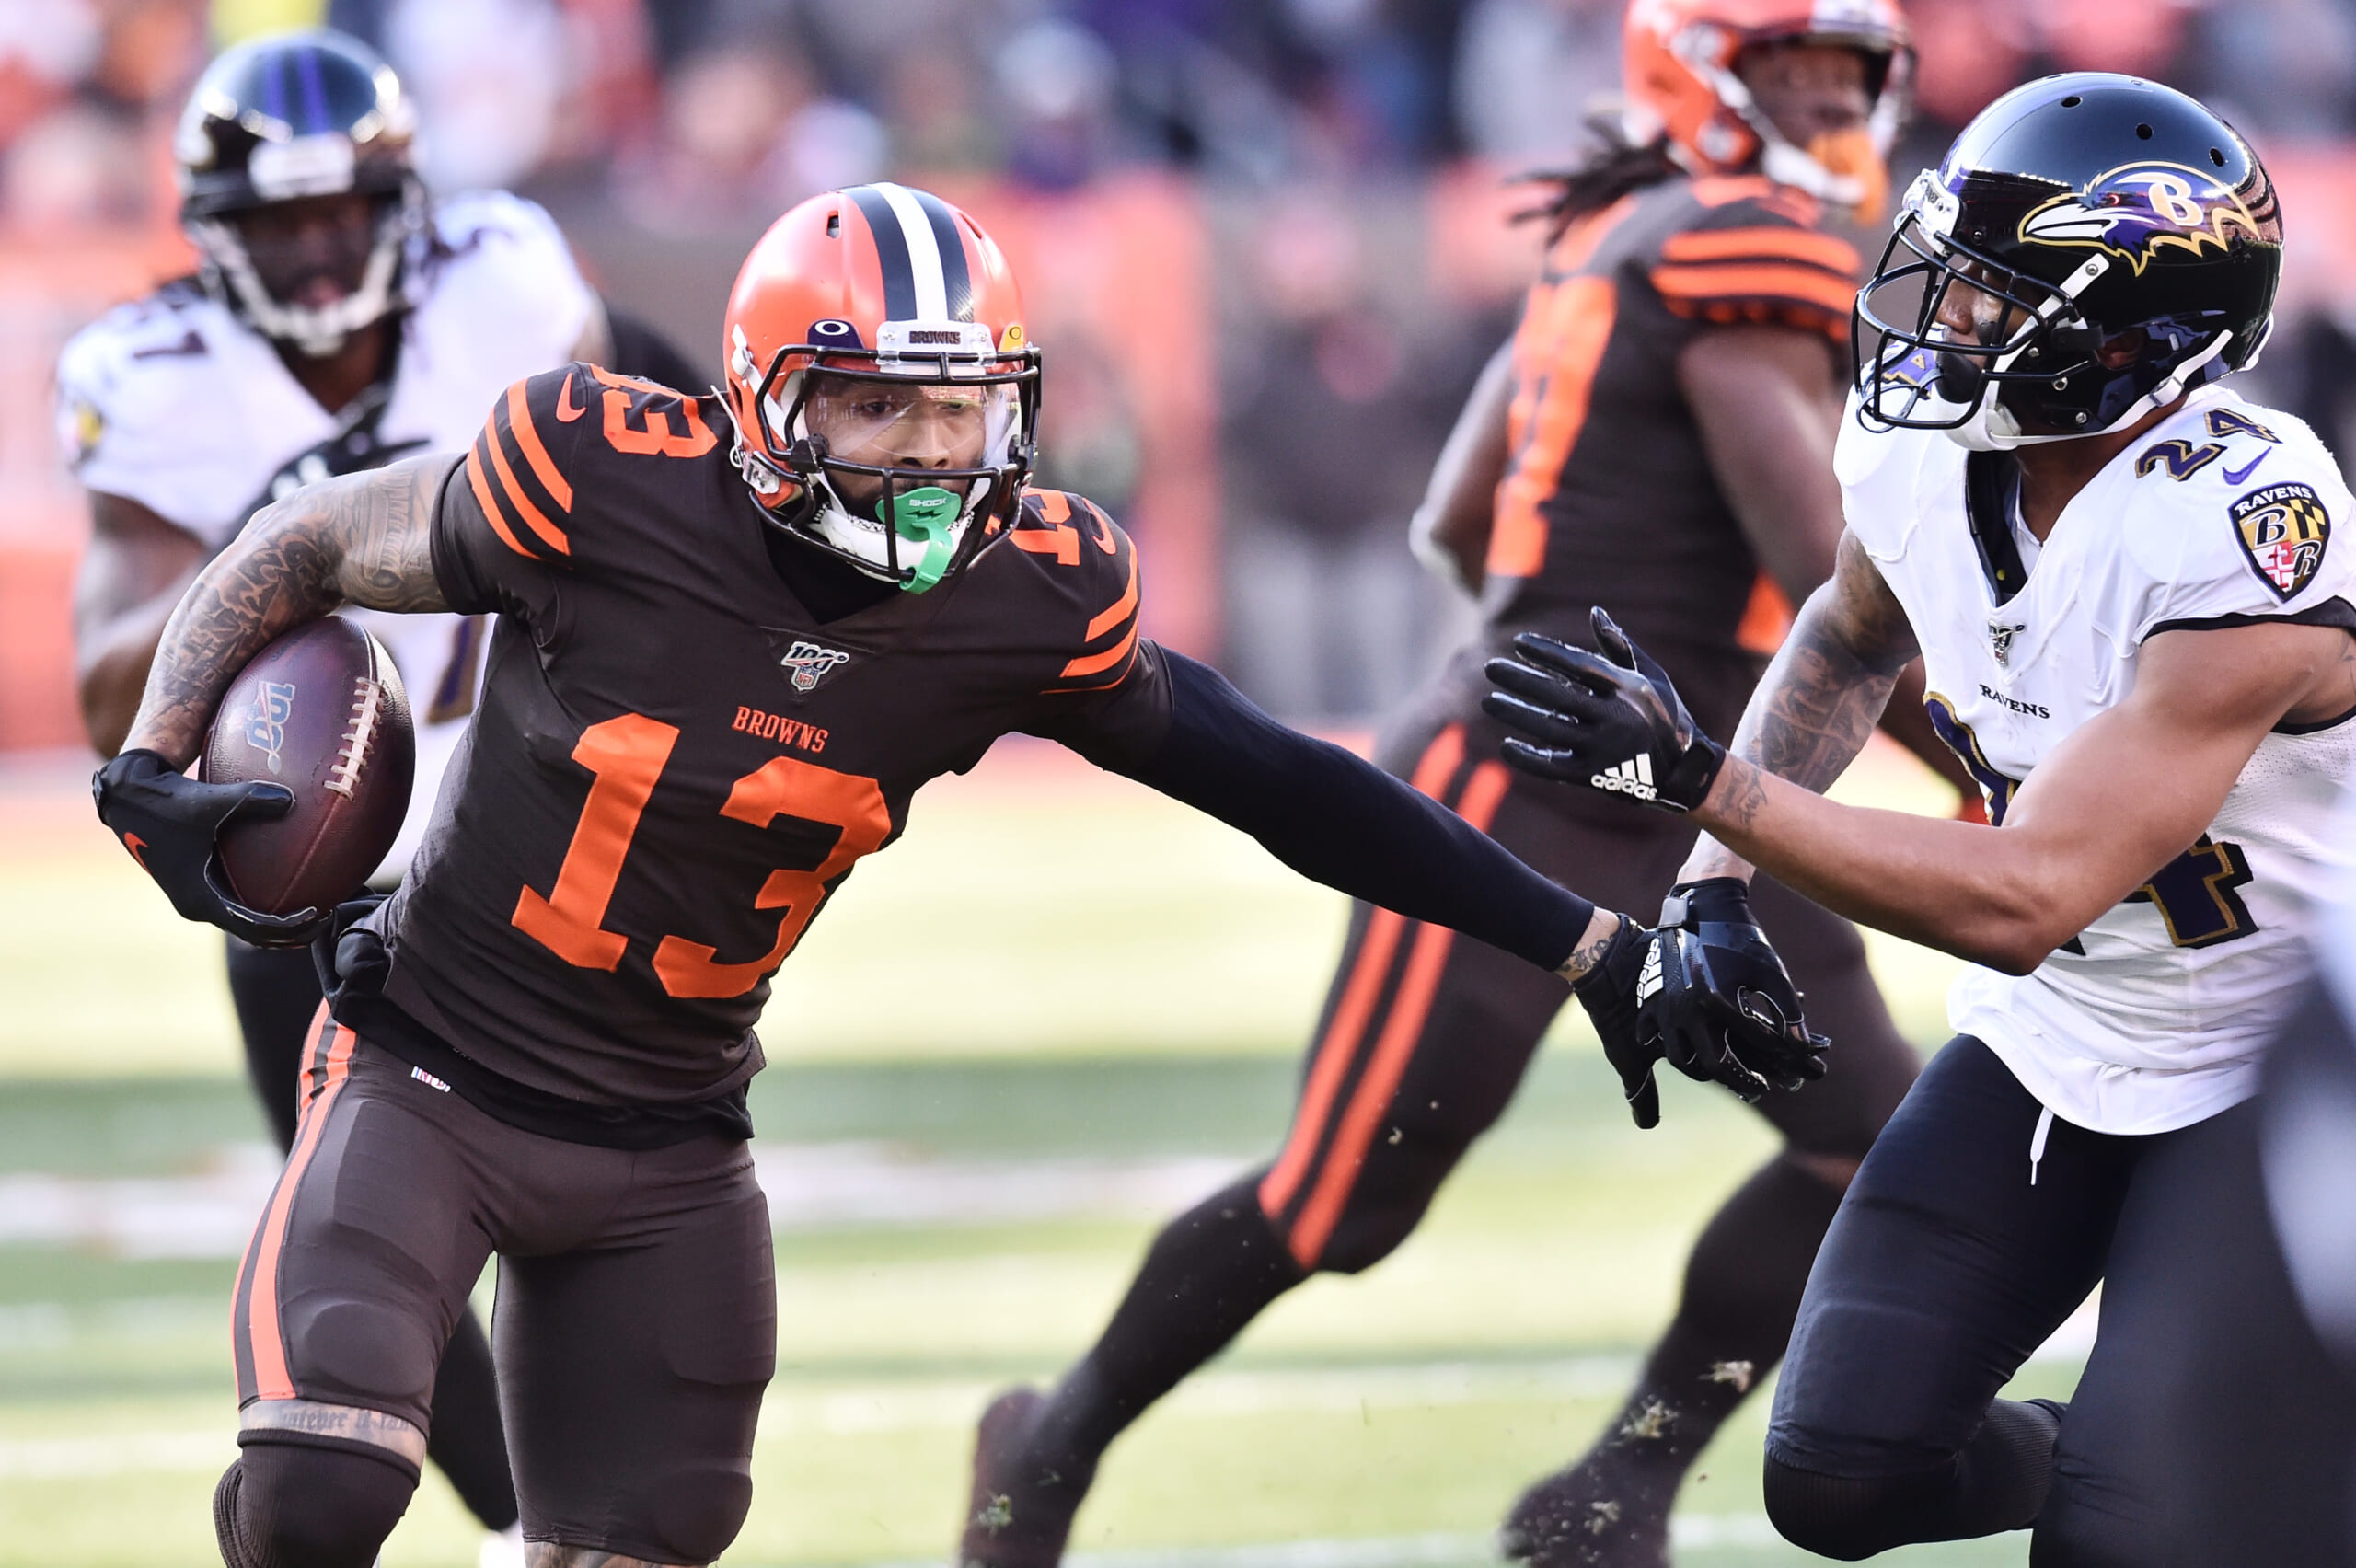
<point x="673" y="764"/>
<point x="1608" y="498"/>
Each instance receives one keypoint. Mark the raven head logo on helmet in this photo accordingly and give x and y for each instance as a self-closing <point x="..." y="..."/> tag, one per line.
<point x="1680" y="59"/>
<point x="2132" y="212"/>
<point x="2092" y="248"/>
<point x="885" y="392"/>
<point x="298" y="184"/>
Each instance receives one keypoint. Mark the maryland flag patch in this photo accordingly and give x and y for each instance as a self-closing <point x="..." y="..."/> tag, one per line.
<point x="2283" y="530"/>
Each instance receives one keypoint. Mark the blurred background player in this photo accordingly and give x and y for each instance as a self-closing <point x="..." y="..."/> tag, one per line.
<point x="1658" y="437"/>
<point x="339" y="321"/>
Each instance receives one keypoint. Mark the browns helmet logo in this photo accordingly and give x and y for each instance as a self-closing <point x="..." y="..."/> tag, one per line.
<point x="2136" y="211"/>
<point x="2283" y="529"/>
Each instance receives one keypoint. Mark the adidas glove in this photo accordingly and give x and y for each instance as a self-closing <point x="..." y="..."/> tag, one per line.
<point x="1613" y="725"/>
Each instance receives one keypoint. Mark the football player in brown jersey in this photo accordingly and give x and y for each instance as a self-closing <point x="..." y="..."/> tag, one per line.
<point x="1657" y="438"/>
<point x="341" y="320"/>
<point x="734" y="634"/>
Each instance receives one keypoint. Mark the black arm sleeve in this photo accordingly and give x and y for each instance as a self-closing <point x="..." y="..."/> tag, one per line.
<point x="1339" y="820"/>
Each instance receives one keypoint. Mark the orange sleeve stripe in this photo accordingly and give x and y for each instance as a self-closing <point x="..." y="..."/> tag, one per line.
<point x="488" y="503"/>
<point x="527" y="437"/>
<point x="1091" y="664"/>
<point x="550" y="535"/>
<point x="1738" y="284"/>
<point x="1805" y="245"/>
<point x="1122" y="608"/>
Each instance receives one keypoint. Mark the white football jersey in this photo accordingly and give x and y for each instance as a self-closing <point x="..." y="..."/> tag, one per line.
<point x="2223" y="514"/>
<point x="174" y="403"/>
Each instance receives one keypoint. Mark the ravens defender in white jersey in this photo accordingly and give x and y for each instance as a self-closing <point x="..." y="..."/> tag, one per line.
<point x="2122" y="579"/>
<point x="339" y="321"/>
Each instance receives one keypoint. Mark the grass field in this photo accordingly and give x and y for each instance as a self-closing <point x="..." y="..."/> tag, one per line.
<point x="1060" y="1009"/>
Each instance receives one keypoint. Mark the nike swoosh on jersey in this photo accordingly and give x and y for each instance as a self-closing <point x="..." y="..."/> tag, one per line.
<point x="2236" y="476"/>
<point x="566" y="408"/>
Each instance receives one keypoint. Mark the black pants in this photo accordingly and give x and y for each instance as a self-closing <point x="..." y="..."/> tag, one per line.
<point x="1946" y="1267"/>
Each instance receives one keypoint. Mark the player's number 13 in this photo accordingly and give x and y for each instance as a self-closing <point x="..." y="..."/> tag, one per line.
<point x="625" y="756"/>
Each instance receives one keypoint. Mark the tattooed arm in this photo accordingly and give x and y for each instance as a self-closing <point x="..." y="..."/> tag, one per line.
<point x="364" y="539"/>
<point x="2117" y="799"/>
<point x="1824" y="693"/>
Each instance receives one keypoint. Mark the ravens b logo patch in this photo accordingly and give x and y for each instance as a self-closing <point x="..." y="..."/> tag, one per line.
<point x="2283" y="530"/>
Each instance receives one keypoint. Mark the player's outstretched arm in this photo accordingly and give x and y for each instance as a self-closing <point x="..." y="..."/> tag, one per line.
<point x="2122" y="796"/>
<point x="1337" y="819"/>
<point x="366" y="540"/>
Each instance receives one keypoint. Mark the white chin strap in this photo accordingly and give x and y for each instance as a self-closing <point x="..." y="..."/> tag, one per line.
<point x="864" y="537"/>
<point x="316" y="332"/>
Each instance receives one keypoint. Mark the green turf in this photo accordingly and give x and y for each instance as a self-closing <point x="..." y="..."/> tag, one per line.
<point x="1398" y="1411"/>
<point x="1053" y="966"/>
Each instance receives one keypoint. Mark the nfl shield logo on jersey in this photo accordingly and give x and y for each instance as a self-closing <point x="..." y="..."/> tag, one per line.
<point x="2000" y="640"/>
<point x="2283" y="530"/>
<point x="808" y="662"/>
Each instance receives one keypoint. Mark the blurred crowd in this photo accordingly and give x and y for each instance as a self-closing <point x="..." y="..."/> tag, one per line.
<point x="693" y="109"/>
<point x="1318" y="141"/>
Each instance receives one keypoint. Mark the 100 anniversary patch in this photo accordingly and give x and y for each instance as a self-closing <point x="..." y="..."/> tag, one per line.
<point x="2283" y="529"/>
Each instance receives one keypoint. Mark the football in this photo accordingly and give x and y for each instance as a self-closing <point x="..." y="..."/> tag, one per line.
<point x="321" y="710"/>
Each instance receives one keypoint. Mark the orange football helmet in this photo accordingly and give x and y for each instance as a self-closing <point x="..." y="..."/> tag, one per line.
<point x="1679" y="62"/>
<point x="884" y="390"/>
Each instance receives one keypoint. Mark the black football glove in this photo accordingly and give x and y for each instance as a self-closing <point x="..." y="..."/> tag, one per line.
<point x="171" y="824"/>
<point x="1730" y="1013"/>
<point x="1608" y="991"/>
<point x="1614" y="724"/>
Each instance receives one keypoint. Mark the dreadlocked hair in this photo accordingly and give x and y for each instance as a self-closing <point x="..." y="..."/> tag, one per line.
<point x="1616" y="167"/>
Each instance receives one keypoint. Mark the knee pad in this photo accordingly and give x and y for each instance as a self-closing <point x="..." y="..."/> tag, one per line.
<point x="697" y="1512"/>
<point x="1850" y="1518"/>
<point x="307" y="1502"/>
<point x="1996" y="1482"/>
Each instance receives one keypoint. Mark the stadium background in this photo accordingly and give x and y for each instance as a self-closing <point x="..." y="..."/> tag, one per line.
<point x="1265" y="249"/>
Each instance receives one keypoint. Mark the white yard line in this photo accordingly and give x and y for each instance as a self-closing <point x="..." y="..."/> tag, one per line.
<point x="210" y="1213"/>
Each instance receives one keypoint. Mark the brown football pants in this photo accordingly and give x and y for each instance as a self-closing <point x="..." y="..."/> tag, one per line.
<point x="636" y="1324"/>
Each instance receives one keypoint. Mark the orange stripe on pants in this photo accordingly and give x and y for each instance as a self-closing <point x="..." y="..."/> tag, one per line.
<point x="1396" y="1047"/>
<point x="1433" y="770"/>
<point x="272" y="1379"/>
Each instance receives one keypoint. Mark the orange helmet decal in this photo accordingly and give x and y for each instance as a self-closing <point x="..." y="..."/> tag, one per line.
<point x="879" y="283"/>
<point x="1678" y="60"/>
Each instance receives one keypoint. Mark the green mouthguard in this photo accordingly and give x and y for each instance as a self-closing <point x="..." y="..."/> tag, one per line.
<point x="923" y="517"/>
